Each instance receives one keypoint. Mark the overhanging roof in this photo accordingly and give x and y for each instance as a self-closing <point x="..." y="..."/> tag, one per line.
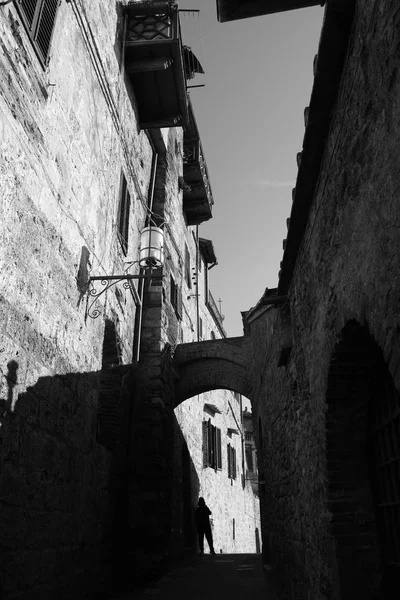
<point x="230" y="10"/>
<point x="335" y="36"/>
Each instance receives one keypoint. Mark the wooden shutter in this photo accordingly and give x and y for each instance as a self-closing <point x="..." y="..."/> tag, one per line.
<point x="179" y="301"/>
<point x="39" y="17"/>
<point x="45" y="25"/>
<point x="210" y="453"/>
<point x="234" y="463"/>
<point x="213" y="461"/>
<point x="219" y="452"/>
<point x="205" y="444"/>
<point x="28" y="8"/>
<point x="229" y="459"/>
<point x="188" y="275"/>
<point x="123" y="214"/>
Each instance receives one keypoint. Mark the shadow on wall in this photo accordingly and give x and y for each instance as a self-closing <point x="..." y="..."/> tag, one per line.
<point x="60" y="489"/>
<point x="363" y="461"/>
<point x="186" y="488"/>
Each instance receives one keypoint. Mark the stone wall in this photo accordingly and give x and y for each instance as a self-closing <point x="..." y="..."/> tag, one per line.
<point x="67" y="131"/>
<point x="346" y="273"/>
<point x="234" y="506"/>
<point x="177" y="477"/>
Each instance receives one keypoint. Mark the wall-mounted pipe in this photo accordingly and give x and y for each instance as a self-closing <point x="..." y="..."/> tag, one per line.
<point x="139" y="313"/>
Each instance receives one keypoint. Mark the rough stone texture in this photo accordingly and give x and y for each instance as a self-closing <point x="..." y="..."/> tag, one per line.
<point x="167" y="493"/>
<point x="60" y="168"/>
<point x="227" y="498"/>
<point x="214" y="364"/>
<point x="346" y="272"/>
<point x="87" y="439"/>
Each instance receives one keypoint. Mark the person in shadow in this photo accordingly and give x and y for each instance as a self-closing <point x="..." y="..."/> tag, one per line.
<point x="203" y="526"/>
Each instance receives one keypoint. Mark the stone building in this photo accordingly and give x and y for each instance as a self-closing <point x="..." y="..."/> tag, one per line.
<point x="325" y="343"/>
<point x="212" y="433"/>
<point x="98" y="143"/>
<point x="95" y="437"/>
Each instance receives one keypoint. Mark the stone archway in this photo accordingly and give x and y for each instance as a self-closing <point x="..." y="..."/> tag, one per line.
<point x="211" y="365"/>
<point x="363" y="464"/>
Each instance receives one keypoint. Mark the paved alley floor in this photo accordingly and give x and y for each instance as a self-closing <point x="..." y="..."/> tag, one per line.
<point x="233" y="576"/>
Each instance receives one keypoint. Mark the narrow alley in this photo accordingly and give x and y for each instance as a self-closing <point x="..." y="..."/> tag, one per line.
<point x="237" y="576"/>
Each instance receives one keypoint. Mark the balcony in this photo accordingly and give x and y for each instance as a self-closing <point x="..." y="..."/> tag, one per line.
<point x="157" y="63"/>
<point x="230" y="10"/>
<point x="197" y="194"/>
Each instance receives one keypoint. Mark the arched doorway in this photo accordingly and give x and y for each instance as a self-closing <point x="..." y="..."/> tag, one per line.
<point x="363" y="465"/>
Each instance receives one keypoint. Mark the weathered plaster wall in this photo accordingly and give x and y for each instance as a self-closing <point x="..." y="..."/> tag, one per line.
<point x="347" y="269"/>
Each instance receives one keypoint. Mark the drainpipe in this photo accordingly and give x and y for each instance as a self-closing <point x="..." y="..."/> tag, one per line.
<point x="139" y="313"/>
<point x="197" y="283"/>
<point x="242" y="435"/>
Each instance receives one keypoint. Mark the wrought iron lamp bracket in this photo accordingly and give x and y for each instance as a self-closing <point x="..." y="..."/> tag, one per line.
<point x="107" y="282"/>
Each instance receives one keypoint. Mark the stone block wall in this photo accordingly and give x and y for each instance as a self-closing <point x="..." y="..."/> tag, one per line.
<point x="177" y="477"/>
<point x="346" y="272"/>
<point x="234" y="506"/>
<point x="67" y="132"/>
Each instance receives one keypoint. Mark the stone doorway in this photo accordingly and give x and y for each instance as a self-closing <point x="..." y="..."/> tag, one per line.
<point x="363" y="468"/>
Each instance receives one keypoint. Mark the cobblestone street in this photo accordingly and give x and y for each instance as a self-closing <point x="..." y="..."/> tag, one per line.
<point x="234" y="576"/>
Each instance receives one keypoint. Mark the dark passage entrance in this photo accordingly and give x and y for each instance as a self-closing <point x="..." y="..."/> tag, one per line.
<point x="363" y="454"/>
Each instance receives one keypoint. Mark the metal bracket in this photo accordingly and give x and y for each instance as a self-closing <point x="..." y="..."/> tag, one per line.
<point x="108" y="281"/>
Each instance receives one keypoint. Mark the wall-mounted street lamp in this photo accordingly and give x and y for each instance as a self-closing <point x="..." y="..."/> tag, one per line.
<point x="151" y="256"/>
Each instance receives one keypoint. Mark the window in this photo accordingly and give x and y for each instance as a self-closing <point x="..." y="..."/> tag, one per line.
<point x="188" y="275"/>
<point x="249" y="458"/>
<point x="123" y="214"/>
<point x="200" y="328"/>
<point x="175" y="297"/>
<point x="213" y="336"/>
<point x="212" y="455"/>
<point x="39" y="17"/>
<point x="231" y="462"/>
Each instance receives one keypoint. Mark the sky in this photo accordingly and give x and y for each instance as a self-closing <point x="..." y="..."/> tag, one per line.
<point x="258" y="79"/>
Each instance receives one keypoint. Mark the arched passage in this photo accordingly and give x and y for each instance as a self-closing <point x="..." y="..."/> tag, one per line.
<point x="211" y="365"/>
<point x="363" y="462"/>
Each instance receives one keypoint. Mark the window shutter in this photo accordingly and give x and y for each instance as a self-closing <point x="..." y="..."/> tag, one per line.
<point x="46" y="25"/>
<point x="187" y="267"/>
<point x="179" y="301"/>
<point x="229" y="459"/>
<point x="219" y="453"/>
<point x="205" y="444"/>
<point x="213" y="446"/>
<point x="29" y="8"/>
<point x="123" y="214"/>
<point x="39" y="17"/>
<point x="234" y="463"/>
<point x="209" y="435"/>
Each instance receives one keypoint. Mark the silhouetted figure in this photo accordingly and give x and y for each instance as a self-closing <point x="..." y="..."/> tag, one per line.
<point x="203" y="526"/>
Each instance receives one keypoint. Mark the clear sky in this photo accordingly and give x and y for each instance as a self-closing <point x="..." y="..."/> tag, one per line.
<point x="250" y="114"/>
